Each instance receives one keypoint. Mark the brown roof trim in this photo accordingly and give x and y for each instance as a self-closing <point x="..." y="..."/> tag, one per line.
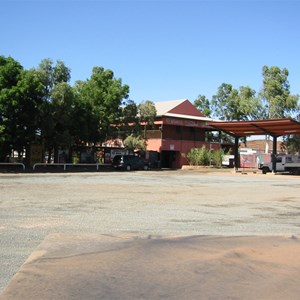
<point x="273" y="127"/>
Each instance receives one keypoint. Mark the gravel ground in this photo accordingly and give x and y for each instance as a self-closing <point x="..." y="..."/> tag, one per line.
<point x="157" y="203"/>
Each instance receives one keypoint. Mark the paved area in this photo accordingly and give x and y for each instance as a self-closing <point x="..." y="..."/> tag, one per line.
<point x="153" y="203"/>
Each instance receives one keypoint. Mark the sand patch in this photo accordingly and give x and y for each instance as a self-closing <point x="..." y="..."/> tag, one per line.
<point x="190" y="267"/>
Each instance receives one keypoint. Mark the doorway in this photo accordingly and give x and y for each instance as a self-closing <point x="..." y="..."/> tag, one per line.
<point x="169" y="159"/>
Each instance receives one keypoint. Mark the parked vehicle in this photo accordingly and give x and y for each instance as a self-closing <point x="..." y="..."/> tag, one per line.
<point x="129" y="162"/>
<point x="287" y="163"/>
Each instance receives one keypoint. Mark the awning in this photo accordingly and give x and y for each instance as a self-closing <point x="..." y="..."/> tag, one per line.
<point x="273" y="127"/>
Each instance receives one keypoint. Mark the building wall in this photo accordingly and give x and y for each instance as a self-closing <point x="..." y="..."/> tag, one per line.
<point x="154" y="145"/>
<point x="178" y="137"/>
<point x="175" y="140"/>
<point x="176" y="132"/>
<point x="180" y="148"/>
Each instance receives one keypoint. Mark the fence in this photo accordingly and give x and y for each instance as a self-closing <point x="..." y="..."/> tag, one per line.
<point x="64" y="165"/>
<point x="13" y="164"/>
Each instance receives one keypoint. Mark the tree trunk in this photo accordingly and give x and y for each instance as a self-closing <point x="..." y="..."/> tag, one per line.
<point x="49" y="155"/>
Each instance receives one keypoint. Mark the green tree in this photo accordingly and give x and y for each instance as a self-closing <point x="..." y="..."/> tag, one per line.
<point x="251" y="108"/>
<point x="62" y="99"/>
<point x="232" y="104"/>
<point x="147" y="114"/>
<point x="21" y="101"/>
<point x="225" y="102"/>
<point x="58" y="102"/>
<point x="133" y="143"/>
<point x="28" y="112"/>
<point x="292" y="141"/>
<point x="10" y="73"/>
<point x="129" y="112"/>
<point x="51" y="74"/>
<point x="103" y="95"/>
<point x="84" y="121"/>
<point x="129" y="122"/>
<point x="204" y="105"/>
<point x="276" y="93"/>
<point x="293" y="144"/>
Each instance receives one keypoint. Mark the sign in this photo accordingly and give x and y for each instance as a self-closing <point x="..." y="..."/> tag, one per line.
<point x="184" y="122"/>
<point x="115" y="152"/>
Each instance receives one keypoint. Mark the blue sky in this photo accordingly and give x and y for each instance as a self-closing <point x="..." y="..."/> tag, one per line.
<point x="164" y="50"/>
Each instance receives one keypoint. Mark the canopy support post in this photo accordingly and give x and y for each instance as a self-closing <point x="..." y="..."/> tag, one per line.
<point x="236" y="153"/>
<point x="274" y="154"/>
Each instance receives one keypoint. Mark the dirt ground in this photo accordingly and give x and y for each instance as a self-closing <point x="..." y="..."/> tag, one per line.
<point x="141" y="204"/>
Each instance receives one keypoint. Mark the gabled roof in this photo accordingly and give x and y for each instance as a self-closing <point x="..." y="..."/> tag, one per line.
<point x="165" y="106"/>
<point x="182" y="108"/>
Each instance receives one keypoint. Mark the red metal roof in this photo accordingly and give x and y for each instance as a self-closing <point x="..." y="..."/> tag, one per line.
<point x="273" y="127"/>
<point x="181" y="107"/>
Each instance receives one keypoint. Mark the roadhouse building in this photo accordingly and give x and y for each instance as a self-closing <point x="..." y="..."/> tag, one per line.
<point x="179" y="126"/>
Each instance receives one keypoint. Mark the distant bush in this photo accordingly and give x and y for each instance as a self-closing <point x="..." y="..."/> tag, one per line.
<point x="204" y="157"/>
<point x="198" y="156"/>
<point x="217" y="157"/>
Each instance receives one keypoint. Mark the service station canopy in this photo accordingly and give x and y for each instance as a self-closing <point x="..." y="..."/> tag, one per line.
<point x="272" y="127"/>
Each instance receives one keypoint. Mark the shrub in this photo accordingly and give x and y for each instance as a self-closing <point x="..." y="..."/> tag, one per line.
<point x="191" y="156"/>
<point x="217" y="157"/>
<point x="198" y="156"/>
<point x="204" y="157"/>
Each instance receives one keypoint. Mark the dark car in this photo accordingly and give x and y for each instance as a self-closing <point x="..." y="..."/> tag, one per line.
<point x="129" y="162"/>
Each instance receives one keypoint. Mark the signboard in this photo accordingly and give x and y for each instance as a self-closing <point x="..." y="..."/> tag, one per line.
<point x="112" y="153"/>
<point x="115" y="152"/>
<point x="184" y="122"/>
